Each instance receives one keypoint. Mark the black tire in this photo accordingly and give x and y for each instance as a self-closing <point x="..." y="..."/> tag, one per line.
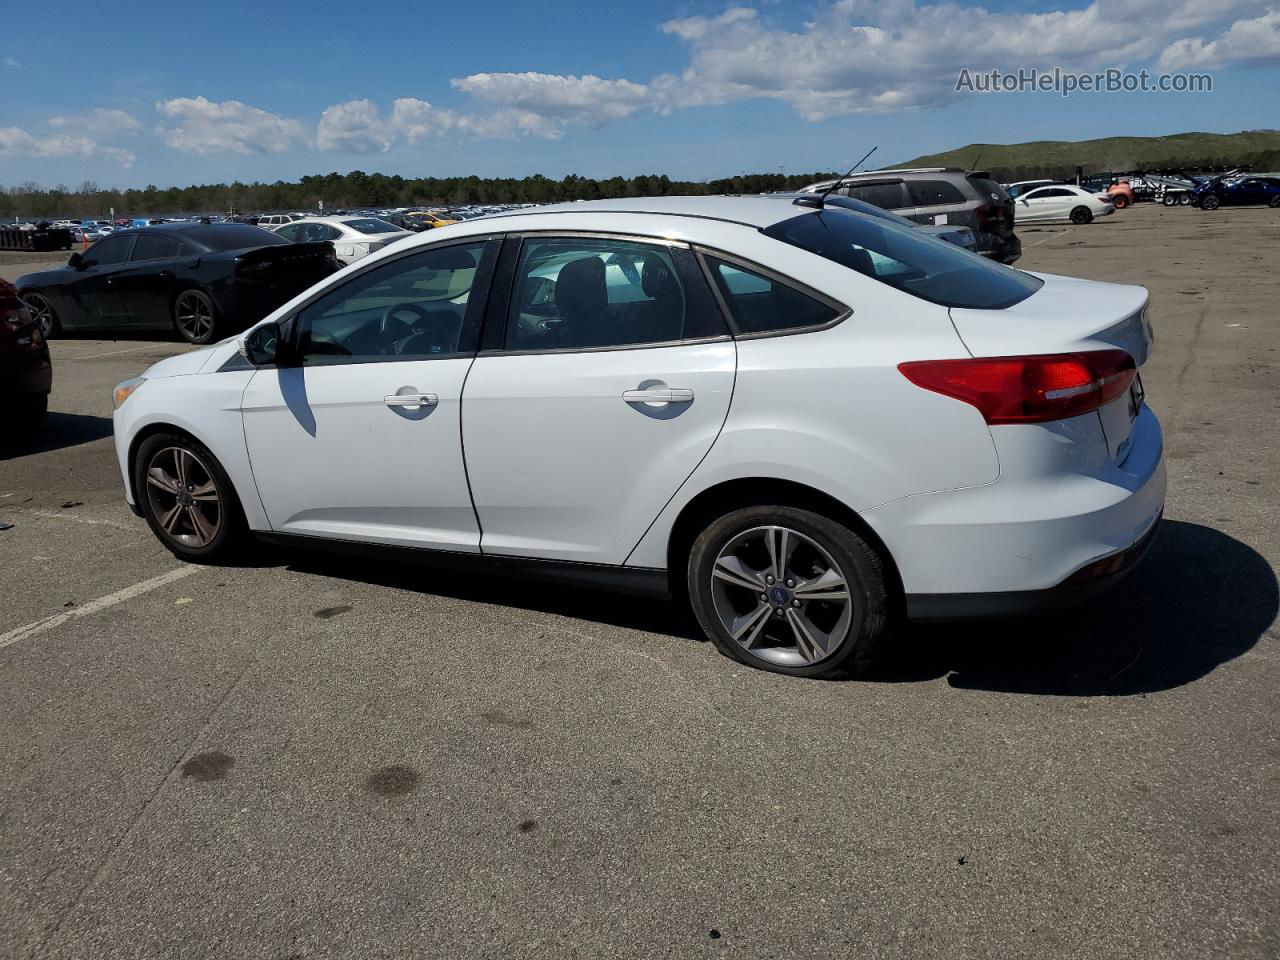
<point x="195" y="317"/>
<point x="1275" y="202"/>
<point x="1210" y="202"/>
<point x="1170" y="200"/>
<point x="856" y="563"/>
<point x="43" y="313"/>
<point x="181" y="538"/>
<point x="1185" y="201"/>
<point x="1081" y="215"/>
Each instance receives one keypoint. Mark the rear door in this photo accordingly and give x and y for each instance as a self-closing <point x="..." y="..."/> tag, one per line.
<point x="606" y="378"/>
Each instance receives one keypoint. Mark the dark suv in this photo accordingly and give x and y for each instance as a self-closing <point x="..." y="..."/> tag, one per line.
<point x="941" y="196"/>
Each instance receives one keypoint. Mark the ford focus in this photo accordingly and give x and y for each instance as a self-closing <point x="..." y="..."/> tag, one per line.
<point x="804" y="422"/>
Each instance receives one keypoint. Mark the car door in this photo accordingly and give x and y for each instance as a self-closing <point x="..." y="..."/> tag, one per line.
<point x="94" y="292"/>
<point x="147" y="285"/>
<point x="1041" y="204"/>
<point x="606" y="377"/>
<point x="361" y="439"/>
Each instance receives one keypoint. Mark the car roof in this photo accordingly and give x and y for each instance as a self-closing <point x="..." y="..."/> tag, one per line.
<point x="758" y="211"/>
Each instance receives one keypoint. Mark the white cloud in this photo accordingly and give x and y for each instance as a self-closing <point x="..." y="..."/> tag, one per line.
<point x="205" y="126"/>
<point x="99" y="120"/>
<point x="355" y="127"/>
<point x="544" y="104"/>
<point x="865" y="56"/>
<point x="1247" y="42"/>
<point x="418" y="120"/>
<point x="12" y="63"/>
<point x="16" y="142"/>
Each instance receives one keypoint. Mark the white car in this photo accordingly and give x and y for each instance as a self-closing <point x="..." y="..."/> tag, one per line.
<point x="274" y="220"/>
<point x="804" y="420"/>
<point x="352" y="237"/>
<point x="1061" y="201"/>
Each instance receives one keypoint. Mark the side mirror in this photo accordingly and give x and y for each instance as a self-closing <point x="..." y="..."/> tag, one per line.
<point x="265" y="346"/>
<point x="75" y="262"/>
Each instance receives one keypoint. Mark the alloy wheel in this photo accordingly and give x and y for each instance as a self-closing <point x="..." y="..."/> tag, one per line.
<point x="194" y="316"/>
<point x="184" y="497"/>
<point x="781" y="596"/>
<point x="41" y="313"/>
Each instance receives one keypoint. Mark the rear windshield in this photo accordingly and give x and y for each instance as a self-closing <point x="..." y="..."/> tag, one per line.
<point x="907" y="259"/>
<point x="372" y="225"/>
<point x="232" y="236"/>
<point x="988" y="189"/>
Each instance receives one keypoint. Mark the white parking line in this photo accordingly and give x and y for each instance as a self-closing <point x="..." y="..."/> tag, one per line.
<point x="94" y="606"/>
<point x="115" y="353"/>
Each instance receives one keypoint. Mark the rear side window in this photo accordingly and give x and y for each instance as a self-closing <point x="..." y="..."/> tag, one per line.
<point x="153" y="247"/>
<point x="233" y="236"/>
<point x="906" y="259"/>
<point x="579" y="293"/>
<point x="933" y="193"/>
<point x="886" y="196"/>
<point x="760" y="304"/>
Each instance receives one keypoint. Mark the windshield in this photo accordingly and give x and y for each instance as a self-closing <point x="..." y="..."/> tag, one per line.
<point x="907" y="260"/>
<point x="371" y="225"/>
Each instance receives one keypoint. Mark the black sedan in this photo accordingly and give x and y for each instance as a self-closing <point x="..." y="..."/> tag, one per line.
<point x="206" y="280"/>
<point x="25" y="374"/>
<point x="1221" y="191"/>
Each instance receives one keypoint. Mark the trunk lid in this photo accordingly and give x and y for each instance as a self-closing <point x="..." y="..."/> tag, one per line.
<point x="1070" y="315"/>
<point x="287" y="265"/>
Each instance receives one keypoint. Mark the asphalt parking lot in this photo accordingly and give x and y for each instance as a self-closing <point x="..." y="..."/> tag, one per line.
<point x="314" y="757"/>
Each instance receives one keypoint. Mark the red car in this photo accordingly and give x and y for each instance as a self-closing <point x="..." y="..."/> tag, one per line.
<point x="26" y="376"/>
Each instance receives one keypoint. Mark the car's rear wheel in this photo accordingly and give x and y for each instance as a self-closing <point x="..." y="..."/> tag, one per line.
<point x="1275" y="201"/>
<point x="195" y="316"/>
<point x="789" y="590"/>
<point x="187" y="498"/>
<point x="1081" y="215"/>
<point x="43" y="314"/>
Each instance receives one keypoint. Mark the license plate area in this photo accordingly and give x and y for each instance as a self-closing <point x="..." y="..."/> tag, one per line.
<point x="1137" y="396"/>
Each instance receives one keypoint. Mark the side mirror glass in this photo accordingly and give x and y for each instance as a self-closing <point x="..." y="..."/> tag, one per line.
<point x="263" y="346"/>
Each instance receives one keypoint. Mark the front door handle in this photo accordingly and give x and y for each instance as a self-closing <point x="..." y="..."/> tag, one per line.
<point x="659" y="395"/>
<point x="411" y="400"/>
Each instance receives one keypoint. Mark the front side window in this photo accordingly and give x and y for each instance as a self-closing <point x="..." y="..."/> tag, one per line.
<point x="906" y="259"/>
<point x="579" y="293"/>
<point x="759" y="304"/>
<point x="108" y="251"/>
<point x="414" y="308"/>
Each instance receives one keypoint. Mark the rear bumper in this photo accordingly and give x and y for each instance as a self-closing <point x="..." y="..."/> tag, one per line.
<point x="25" y="376"/>
<point x="1079" y="588"/>
<point x="1001" y="249"/>
<point x="1059" y="518"/>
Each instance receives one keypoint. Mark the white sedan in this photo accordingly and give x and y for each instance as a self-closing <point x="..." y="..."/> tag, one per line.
<point x="352" y="237"/>
<point x="806" y="421"/>
<point x="1061" y="201"/>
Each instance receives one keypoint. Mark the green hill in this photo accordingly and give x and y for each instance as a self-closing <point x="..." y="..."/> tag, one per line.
<point x="1259" y="149"/>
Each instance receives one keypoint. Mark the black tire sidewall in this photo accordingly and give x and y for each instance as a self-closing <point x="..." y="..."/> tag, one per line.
<point x="1209" y="203"/>
<point x="862" y="568"/>
<point x="231" y="533"/>
<point x="1274" y="202"/>
<point x="214" y="327"/>
<point x="1081" y="216"/>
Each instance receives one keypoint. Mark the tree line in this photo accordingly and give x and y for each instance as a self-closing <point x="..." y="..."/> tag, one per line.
<point x="359" y="189"/>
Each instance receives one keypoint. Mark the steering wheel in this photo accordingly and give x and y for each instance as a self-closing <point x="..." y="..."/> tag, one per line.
<point x="386" y="324"/>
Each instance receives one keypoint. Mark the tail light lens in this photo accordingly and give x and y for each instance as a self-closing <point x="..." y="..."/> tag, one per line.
<point x="1032" y="389"/>
<point x="253" y="270"/>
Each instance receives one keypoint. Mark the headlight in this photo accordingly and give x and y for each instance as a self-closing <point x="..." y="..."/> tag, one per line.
<point x="124" y="390"/>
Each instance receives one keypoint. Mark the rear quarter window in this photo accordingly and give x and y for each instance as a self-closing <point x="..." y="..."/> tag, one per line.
<point x="886" y="196"/>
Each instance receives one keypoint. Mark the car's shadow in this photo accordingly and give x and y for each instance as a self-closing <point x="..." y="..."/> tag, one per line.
<point x="1200" y="599"/>
<point x="59" y="430"/>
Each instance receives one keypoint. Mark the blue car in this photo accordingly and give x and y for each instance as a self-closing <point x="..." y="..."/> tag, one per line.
<point x="1221" y="191"/>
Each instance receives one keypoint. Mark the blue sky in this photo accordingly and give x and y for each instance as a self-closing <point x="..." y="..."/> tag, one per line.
<point x="170" y="93"/>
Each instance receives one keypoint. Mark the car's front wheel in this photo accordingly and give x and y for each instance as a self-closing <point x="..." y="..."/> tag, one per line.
<point x="43" y="314"/>
<point x="187" y="498"/>
<point x="789" y="590"/>
<point x="195" y="316"/>
<point x="1275" y="201"/>
<point x="1081" y="215"/>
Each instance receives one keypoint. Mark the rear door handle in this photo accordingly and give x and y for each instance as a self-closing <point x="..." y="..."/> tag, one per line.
<point x="659" y="395"/>
<point x="411" y="400"/>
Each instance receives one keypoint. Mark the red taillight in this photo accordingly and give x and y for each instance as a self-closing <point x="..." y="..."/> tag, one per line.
<point x="991" y="211"/>
<point x="1028" y="389"/>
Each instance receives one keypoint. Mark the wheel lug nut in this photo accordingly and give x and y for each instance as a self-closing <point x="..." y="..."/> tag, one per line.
<point x="791" y="583"/>
<point x="764" y="597"/>
<point x="779" y="612"/>
<point x="795" y="603"/>
<point x="768" y="579"/>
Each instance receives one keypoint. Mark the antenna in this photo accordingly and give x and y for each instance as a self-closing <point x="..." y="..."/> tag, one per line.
<point x="817" y="202"/>
<point x="974" y="166"/>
